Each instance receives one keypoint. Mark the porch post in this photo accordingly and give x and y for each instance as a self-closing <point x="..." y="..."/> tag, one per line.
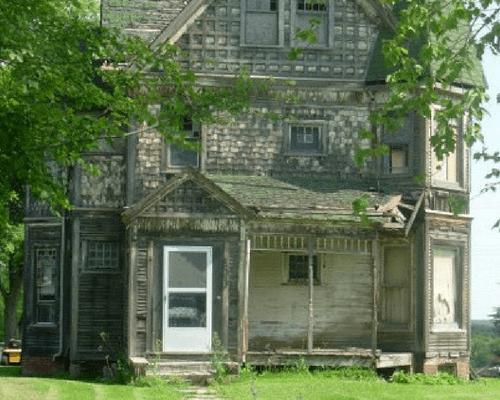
<point x="310" y="314"/>
<point x="243" y="270"/>
<point x="132" y="241"/>
<point x="376" y="258"/>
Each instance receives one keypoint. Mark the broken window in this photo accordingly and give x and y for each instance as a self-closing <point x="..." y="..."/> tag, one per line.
<point x="179" y="157"/>
<point x="398" y="159"/>
<point x="313" y="15"/>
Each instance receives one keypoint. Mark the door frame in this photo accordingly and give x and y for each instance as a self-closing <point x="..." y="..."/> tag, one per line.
<point x="205" y="337"/>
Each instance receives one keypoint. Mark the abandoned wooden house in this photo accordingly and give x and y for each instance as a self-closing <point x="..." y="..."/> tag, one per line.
<point x="254" y="240"/>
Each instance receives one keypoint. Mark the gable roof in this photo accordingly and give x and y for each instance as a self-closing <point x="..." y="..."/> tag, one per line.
<point x="374" y="9"/>
<point x="200" y="181"/>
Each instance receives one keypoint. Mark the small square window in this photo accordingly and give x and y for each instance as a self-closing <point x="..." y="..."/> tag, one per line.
<point x="103" y="255"/>
<point x="305" y="140"/>
<point x="298" y="268"/>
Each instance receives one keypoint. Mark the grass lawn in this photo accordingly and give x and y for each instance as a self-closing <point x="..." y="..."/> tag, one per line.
<point x="322" y="386"/>
<point x="15" y="387"/>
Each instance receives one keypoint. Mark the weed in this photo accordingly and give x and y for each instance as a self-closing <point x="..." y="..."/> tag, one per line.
<point x="301" y="366"/>
<point x="218" y="358"/>
<point x="437" y="379"/>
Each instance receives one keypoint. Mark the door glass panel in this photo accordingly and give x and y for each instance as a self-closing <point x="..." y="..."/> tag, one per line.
<point x="187" y="269"/>
<point x="187" y="310"/>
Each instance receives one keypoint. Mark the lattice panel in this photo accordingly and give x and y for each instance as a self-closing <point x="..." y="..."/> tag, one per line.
<point x="189" y="198"/>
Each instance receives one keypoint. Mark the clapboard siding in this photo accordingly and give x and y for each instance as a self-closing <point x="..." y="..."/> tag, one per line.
<point x="448" y="341"/>
<point x="343" y="303"/>
<point x="100" y="314"/>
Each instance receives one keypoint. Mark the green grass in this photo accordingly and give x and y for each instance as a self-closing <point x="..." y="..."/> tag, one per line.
<point x="324" y="385"/>
<point x="15" y="387"/>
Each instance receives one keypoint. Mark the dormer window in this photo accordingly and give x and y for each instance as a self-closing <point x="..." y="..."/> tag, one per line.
<point x="316" y="15"/>
<point x="177" y="157"/>
<point x="261" y="25"/>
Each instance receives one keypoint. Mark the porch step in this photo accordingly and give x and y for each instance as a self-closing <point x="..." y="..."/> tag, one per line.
<point x="200" y="393"/>
<point x="198" y="372"/>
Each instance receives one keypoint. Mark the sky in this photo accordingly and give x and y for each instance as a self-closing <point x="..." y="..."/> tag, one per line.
<point x="485" y="208"/>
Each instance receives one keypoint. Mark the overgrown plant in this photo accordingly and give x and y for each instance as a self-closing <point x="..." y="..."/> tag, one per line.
<point x="218" y="358"/>
<point x="424" y="379"/>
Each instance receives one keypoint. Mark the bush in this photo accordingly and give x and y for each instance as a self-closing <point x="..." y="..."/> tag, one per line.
<point x="437" y="379"/>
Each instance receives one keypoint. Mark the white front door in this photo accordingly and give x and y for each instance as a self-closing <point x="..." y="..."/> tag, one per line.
<point x="187" y="304"/>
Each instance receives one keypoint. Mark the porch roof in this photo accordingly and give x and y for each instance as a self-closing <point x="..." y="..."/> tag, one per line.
<point x="296" y="197"/>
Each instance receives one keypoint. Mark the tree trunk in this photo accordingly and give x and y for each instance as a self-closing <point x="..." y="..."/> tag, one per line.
<point x="10" y="310"/>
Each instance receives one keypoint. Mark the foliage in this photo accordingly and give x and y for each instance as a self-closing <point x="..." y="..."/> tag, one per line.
<point x="484" y="350"/>
<point x="496" y="315"/>
<point x="356" y="373"/>
<point x="323" y="385"/>
<point x="218" y="358"/>
<point x="436" y="379"/>
<point x="65" y="82"/>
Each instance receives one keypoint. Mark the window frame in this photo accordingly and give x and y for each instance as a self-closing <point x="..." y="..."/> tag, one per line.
<point x="280" y="27"/>
<point x="322" y="140"/>
<point x="459" y="321"/>
<point x="317" y="260"/>
<point x="51" y="303"/>
<point x="390" y="325"/>
<point x="195" y="134"/>
<point x="401" y="137"/>
<point x="329" y="16"/>
<point x="86" y="249"/>
<point x="459" y="155"/>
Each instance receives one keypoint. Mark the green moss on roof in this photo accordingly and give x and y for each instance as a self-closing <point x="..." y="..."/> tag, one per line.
<point x="291" y="195"/>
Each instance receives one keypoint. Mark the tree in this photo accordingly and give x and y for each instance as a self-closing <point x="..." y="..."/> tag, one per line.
<point x="65" y="82"/>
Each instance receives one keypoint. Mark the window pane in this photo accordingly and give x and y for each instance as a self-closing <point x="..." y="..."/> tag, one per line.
<point x="182" y="157"/>
<point x="305" y="139"/>
<point x="399" y="159"/>
<point x="46" y="273"/>
<point x="103" y="255"/>
<point x="187" y="310"/>
<point x="187" y="269"/>
<point x="298" y="267"/>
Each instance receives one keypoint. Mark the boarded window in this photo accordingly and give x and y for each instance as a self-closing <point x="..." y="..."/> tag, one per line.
<point x="298" y="268"/>
<point x="305" y="139"/>
<point x="446" y="304"/>
<point x="398" y="159"/>
<point x="396" y="287"/>
<point x="46" y="284"/>
<point x="261" y="25"/>
<point x="103" y="255"/>
<point x="179" y="157"/>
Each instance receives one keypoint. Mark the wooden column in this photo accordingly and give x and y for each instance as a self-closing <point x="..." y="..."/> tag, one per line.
<point x="75" y="261"/>
<point x="310" y="313"/>
<point x="376" y="267"/>
<point x="242" y="297"/>
<point x="226" y="279"/>
<point x="132" y="266"/>
<point x="150" y="331"/>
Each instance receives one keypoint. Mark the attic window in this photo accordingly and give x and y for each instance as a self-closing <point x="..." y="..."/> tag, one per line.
<point x="177" y="157"/>
<point x="318" y="12"/>
<point x="309" y="5"/>
<point x="261" y="26"/>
